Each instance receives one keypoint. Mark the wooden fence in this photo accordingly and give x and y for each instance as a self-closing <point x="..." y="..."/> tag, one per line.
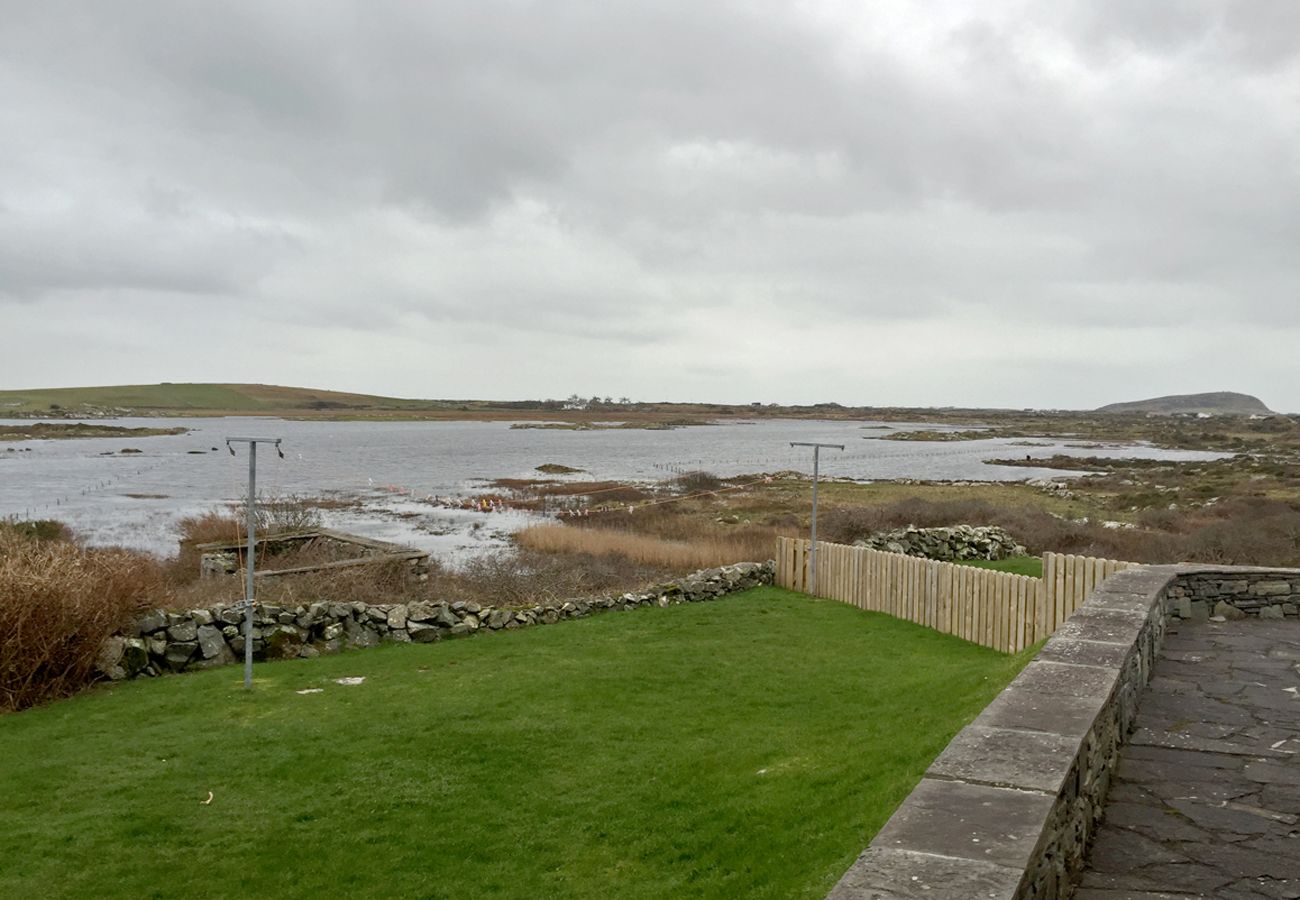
<point x="996" y="609"/>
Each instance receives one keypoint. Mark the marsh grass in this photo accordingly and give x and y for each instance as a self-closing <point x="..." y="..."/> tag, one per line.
<point x="702" y="550"/>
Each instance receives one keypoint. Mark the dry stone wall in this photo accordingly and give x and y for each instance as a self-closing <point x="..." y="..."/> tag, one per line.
<point x="947" y="544"/>
<point x="164" y="641"/>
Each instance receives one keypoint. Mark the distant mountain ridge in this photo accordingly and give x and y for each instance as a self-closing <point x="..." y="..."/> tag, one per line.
<point x="1218" y="403"/>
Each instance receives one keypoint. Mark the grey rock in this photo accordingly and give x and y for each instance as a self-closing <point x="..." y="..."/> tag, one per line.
<point x="154" y="620"/>
<point x="422" y="632"/>
<point x="1228" y="611"/>
<point x="360" y="636"/>
<point x="211" y="641"/>
<point x="397" y="616"/>
<point x="231" y="615"/>
<point x="178" y="654"/>
<point x="183" y="631"/>
<point x="446" y="617"/>
<point x="421" y="612"/>
<point x="110" y="654"/>
<point x="135" y="657"/>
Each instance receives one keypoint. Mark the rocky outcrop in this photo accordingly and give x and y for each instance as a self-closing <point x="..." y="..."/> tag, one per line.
<point x="162" y="641"/>
<point x="952" y="543"/>
<point x="1218" y="403"/>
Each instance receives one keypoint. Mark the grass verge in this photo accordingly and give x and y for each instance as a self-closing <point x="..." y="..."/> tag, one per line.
<point x="749" y="747"/>
<point x="1016" y="565"/>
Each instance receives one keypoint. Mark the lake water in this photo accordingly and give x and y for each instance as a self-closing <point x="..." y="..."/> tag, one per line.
<point x="135" y="500"/>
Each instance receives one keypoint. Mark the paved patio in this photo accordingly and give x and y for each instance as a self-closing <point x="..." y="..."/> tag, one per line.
<point x="1206" y="799"/>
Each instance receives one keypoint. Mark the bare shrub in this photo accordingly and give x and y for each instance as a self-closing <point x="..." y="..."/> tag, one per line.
<point x="383" y="581"/>
<point x="1269" y="540"/>
<point x="697" y="482"/>
<point x="1239" y="531"/>
<point x="38" y="529"/>
<point x="211" y="527"/>
<point x="285" y="514"/>
<point x="526" y="578"/>
<point x="58" y="603"/>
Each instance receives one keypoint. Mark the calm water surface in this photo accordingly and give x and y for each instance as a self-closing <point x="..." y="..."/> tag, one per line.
<point x="136" y="499"/>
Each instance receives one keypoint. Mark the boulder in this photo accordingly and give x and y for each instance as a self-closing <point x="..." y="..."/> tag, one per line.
<point x="211" y="641"/>
<point x="110" y="655"/>
<point x="1228" y="611"/>
<point x="421" y="632"/>
<point x="421" y="612"/>
<point x="397" y="616"/>
<point x="154" y="620"/>
<point x="178" y="654"/>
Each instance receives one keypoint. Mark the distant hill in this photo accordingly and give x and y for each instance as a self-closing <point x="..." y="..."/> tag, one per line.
<point x="1219" y="403"/>
<point x="188" y="399"/>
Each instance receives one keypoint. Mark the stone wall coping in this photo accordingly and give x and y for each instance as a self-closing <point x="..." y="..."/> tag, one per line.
<point x="1214" y="569"/>
<point x="1006" y="810"/>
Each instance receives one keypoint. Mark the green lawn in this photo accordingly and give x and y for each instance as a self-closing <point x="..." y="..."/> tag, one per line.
<point x="744" y="748"/>
<point x="1017" y="565"/>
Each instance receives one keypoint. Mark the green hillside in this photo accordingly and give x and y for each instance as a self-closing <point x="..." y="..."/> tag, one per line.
<point x="170" y="398"/>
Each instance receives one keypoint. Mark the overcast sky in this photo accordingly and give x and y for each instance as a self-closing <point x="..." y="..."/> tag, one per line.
<point x="1049" y="204"/>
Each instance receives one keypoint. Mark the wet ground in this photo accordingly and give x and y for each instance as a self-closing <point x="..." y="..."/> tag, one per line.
<point x="1206" y="799"/>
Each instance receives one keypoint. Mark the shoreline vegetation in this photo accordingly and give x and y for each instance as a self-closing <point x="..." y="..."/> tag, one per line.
<point x="642" y="425"/>
<point x="44" y="431"/>
<point x="1232" y="431"/>
<point x="609" y="536"/>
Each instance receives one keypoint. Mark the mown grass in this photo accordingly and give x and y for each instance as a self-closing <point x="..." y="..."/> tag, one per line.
<point x="744" y="748"/>
<point x="1016" y="565"/>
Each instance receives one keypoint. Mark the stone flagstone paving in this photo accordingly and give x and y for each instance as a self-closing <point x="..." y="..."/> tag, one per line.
<point x="1206" y="799"/>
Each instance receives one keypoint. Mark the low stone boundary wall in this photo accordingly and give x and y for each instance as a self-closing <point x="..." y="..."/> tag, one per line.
<point x="1203" y="592"/>
<point x="1008" y="808"/>
<point x="166" y="641"/>
<point x="954" y="542"/>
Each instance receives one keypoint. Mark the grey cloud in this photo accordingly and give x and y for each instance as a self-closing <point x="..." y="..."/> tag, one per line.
<point x="577" y="171"/>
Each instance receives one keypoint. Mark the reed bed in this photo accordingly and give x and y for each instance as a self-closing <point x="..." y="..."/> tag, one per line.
<point x="702" y="551"/>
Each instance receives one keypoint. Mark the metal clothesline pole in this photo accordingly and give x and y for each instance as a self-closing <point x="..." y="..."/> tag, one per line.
<point x="252" y="443"/>
<point x="812" y="564"/>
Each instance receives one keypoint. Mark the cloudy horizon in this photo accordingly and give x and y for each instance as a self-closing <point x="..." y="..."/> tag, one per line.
<point x="1019" y="204"/>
